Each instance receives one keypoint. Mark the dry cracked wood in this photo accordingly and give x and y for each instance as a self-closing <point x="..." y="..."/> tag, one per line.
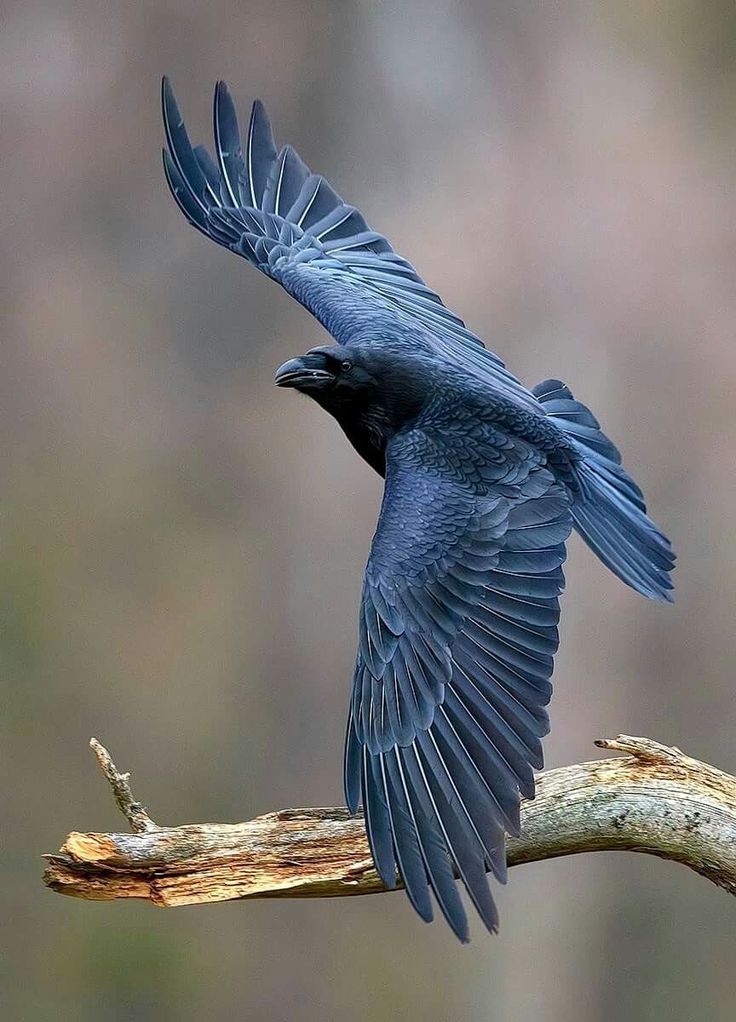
<point x="655" y="800"/>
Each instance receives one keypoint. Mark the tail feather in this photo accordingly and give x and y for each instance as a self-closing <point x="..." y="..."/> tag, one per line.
<point x="610" y="513"/>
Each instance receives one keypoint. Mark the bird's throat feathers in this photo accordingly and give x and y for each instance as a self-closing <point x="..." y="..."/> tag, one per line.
<point x="369" y="430"/>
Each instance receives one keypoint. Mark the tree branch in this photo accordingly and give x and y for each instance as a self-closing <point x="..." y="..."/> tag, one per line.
<point x="655" y="800"/>
<point x="135" y="813"/>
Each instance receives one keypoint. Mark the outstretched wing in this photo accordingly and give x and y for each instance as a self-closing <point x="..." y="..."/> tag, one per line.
<point x="457" y="633"/>
<point x="265" y="205"/>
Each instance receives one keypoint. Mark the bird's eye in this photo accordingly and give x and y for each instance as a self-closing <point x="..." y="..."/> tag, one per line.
<point x="346" y="366"/>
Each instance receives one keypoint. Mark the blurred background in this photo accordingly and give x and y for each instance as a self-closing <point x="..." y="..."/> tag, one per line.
<point x="182" y="545"/>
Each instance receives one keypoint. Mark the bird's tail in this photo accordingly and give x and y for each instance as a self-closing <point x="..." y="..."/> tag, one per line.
<point x="610" y="513"/>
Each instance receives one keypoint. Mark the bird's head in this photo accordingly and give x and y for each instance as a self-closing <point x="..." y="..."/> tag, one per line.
<point x="323" y="370"/>
<point x="347" y="379"/>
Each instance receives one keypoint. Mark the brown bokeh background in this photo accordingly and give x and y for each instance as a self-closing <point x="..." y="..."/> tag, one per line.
<point x="182" y="545"/>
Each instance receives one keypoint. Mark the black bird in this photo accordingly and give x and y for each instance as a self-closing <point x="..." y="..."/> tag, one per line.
<point x="484" y="480"/>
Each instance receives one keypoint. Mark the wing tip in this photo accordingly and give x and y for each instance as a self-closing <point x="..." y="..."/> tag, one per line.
<point x="221" y="90"/>
<point x="222" y="102"/>
<point x="169" y="105"/>
<point x="224" y="95"/>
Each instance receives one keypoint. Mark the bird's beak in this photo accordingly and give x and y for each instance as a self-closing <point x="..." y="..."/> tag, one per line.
<point x="305" y="373"/>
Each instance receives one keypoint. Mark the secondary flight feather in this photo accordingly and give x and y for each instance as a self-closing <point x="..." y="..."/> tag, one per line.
<point x="484" y="481"/>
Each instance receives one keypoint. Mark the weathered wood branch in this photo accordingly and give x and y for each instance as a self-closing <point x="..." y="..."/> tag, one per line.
<point x="655" y="800"/>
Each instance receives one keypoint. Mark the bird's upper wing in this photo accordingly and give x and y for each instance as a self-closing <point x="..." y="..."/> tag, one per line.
<point x="268" y="207"/>
<point x="457" y="634"/>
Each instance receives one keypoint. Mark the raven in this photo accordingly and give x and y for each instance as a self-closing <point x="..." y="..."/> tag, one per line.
<point x="484" y="481"/>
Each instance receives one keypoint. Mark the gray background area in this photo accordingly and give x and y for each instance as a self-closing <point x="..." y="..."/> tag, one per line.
<point x="182" y="544"/>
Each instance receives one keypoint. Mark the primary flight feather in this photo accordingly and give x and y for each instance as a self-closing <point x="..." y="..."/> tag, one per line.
<point x="484" y="481"/>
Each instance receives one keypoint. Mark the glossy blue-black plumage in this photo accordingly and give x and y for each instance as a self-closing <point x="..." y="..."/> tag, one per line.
<point x="484" y="482"/>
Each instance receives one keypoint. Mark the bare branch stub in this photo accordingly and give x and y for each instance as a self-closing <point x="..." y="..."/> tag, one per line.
<point x="644" y="749"/>
<point x="133" y="811"/>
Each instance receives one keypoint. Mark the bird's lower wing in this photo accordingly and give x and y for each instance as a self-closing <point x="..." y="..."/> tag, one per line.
<point x="457" y="633"/>
<point x="265" y="204"/>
